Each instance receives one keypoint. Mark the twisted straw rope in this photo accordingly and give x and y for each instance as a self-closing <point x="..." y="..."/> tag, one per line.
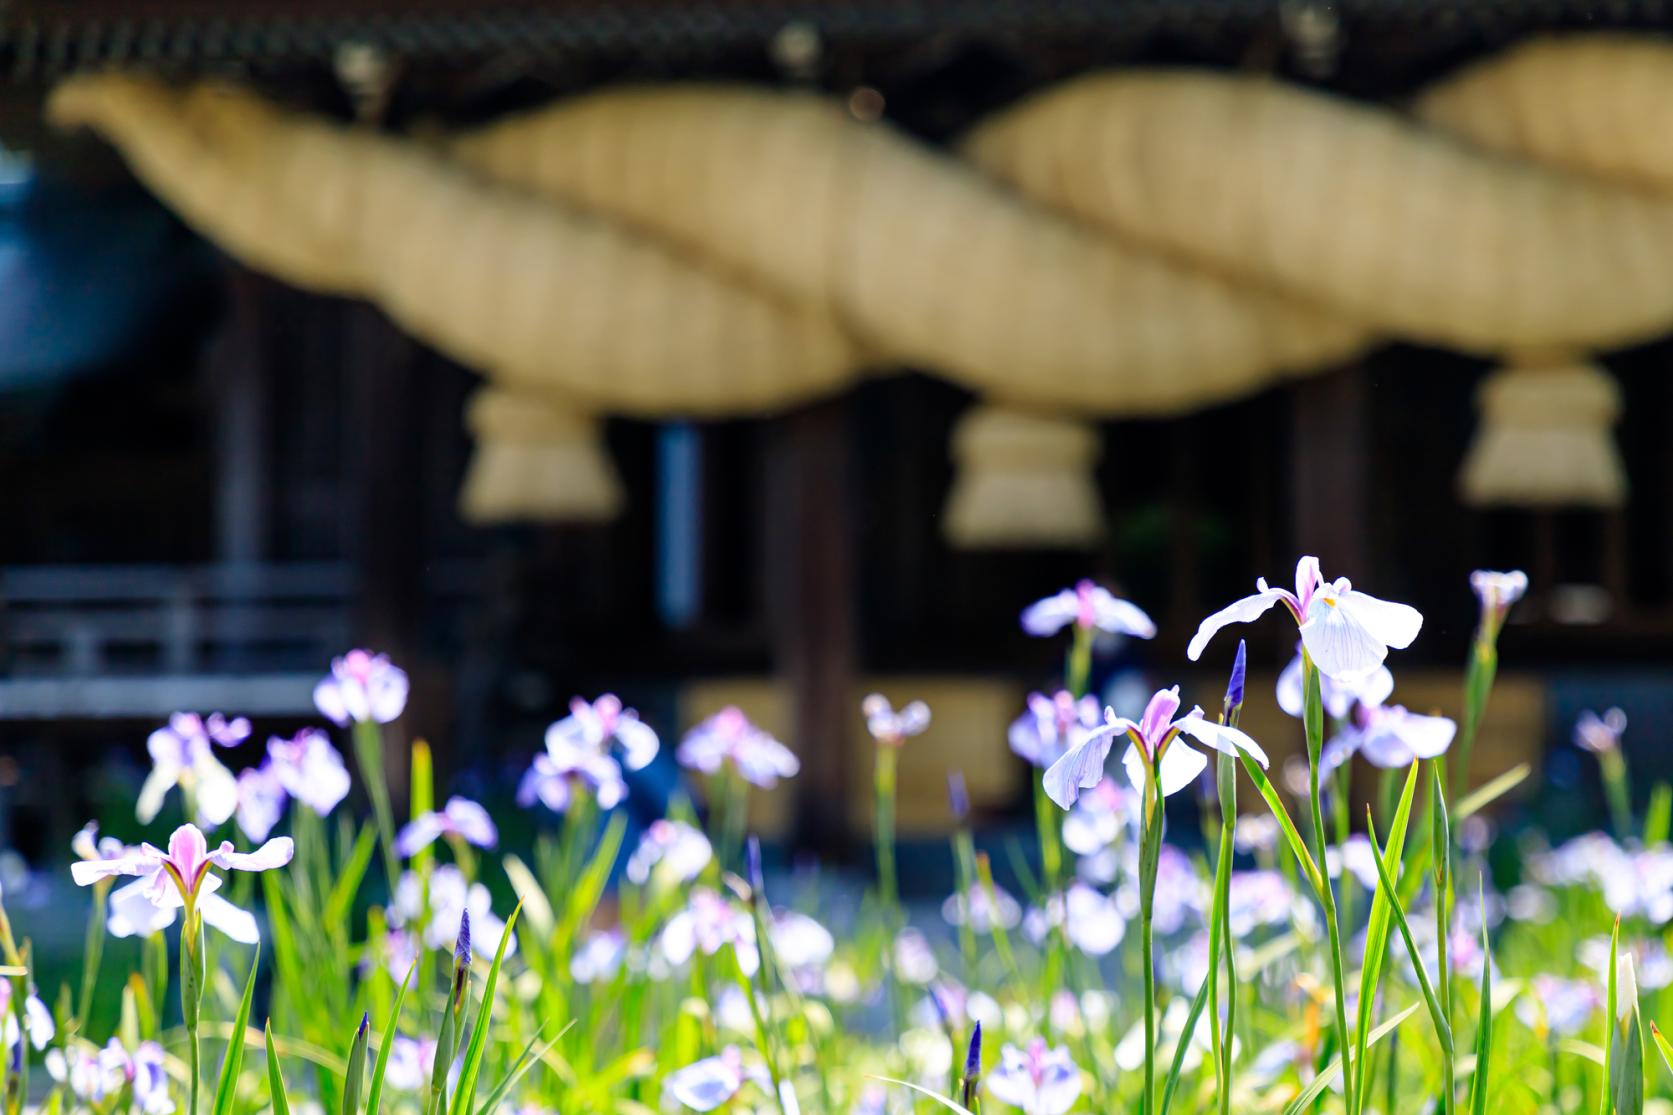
<point x="1134" y="243"/>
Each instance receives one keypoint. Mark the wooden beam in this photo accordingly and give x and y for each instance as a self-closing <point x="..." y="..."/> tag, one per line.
<point x="237" y="369"/>
<point x="383" y="512"/>
<point x="1329" y="470"/>
<point x="811" y="603"/>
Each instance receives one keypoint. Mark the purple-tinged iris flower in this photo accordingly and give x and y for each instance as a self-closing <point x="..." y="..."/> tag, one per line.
<point x="305" y="767"/>
<point x="708" y="924"/>
<point x="1354" y="854"/>
<point x="36" y="1017"/>
<point x="707" y="1084"/>
<point x="729" y="737"/>
<point x="672" y="851"/>
<point x="567" y="767"/>
<point x="1347" y="632"/>
<point x="1497" y="592"/>
<point x="460" y="818"/>
<point x="261" y="801"/>
<point x="1090" y="920"/>
<point x="1039" y="1080"/>
<point x="451" y="900"/>
<point x="1256" y="832"/>
<point x="95" y="1076"/>
<point x="183" y="754"/>
<point x="950" y="1005"/>
<point x="89" y="845"/>
<point x="891" y="727"/>
<point x="599" y="957"/>
<point x="1390" y="737"/>
<point x="1157" y="733"/>
<point x="591" y="726"/>
<point x="915" y="961"/>
<point x="1558" y="1007"/>
<point x="180" y="878"/>
<point x="982" y="912"/>
<point x="1088" y="607"/>
<point x="1339" y="696"/>
<point x="1098" y="816"/>
<point x="1600" y="734"/>
<point x="411" y="1062"/>
<point x="310" y="769"/>
<point x="1257" y="898"/>
<point x="362" y="687"/>
<point x="799" y="941"/>
<point x="1053" y="725"/>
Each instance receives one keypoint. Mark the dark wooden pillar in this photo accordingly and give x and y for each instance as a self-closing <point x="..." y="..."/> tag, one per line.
<point x="383" y="510"/>
<point x="811" y="604"/>
<point x="237" y="366"/>
<point x="1330" y="471"/>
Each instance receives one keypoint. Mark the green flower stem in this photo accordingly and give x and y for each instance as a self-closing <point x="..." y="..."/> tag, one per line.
<point x="1150" y="852"/>
<point x="733" y="793"/>
<point x="368" y="752"/>
<point x="888" y="887"/>
<point x="193" y="975"/>
<point x="1314" y="720"/>
<point x="93" y="951"/>
<point x="1613" y="766"/>
<point x="884" y="776"/>
<point x="1478" y="684"/>
<point x="1077" y="675"/>
<point x="1220" y="937"/>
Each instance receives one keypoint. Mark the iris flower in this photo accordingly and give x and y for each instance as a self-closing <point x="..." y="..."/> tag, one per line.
<point x="1600" y="734"/>
<point x="362" y="686"/>
<point x="1497" y="592"/>
<point x="891" y="727"/>
<point x="94" y="1075"/>
<point x="261" y="801"/>
<point x="1390" y="737"/>
<point x="1558" y="1007"/>
<point x="592" y="726"/>
<point x="1339" y="696"/>
<point x="460" y="818"/>
<point x="183" y="754"/>
<point x="1051" y="726"/>
<point x="451" y="899"/>
<point x="708" y="924"/>
<point x="310" y="769"/>
<point x="1153" y="744"/>
<point x="1347" y="632"/>
<point x="729" y="737"/>
<point x="1088" y="607"/>
<point x="982" y="910"/>
<point x="180" y="878"/>
<point x="37" y="1019"/>
<point x="1039" y="1080"/>
<point x="673" y="850"/>
<point x="557" y="773"/>
<point x="1090" y="920"/>
<point x="707" y="1084"/>
<point x="305" y="767"/>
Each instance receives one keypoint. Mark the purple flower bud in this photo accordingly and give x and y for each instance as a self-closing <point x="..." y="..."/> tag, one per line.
<point x="957" y="796"/>
<point x="462" y="950"/>
<point x="752" y="855"/>
<point x="365" y="1022"/>
<point x="972" y="1070"/>
<point x="1234" y="687"/>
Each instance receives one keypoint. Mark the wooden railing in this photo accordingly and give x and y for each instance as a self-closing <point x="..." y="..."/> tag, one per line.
<point x="122" y="641"/>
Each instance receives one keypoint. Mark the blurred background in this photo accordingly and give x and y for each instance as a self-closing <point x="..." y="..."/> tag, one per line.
<point x="213" y="478"/>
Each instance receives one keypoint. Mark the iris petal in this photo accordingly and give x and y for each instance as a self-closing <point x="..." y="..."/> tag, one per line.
<point x="1247" y="610"/>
